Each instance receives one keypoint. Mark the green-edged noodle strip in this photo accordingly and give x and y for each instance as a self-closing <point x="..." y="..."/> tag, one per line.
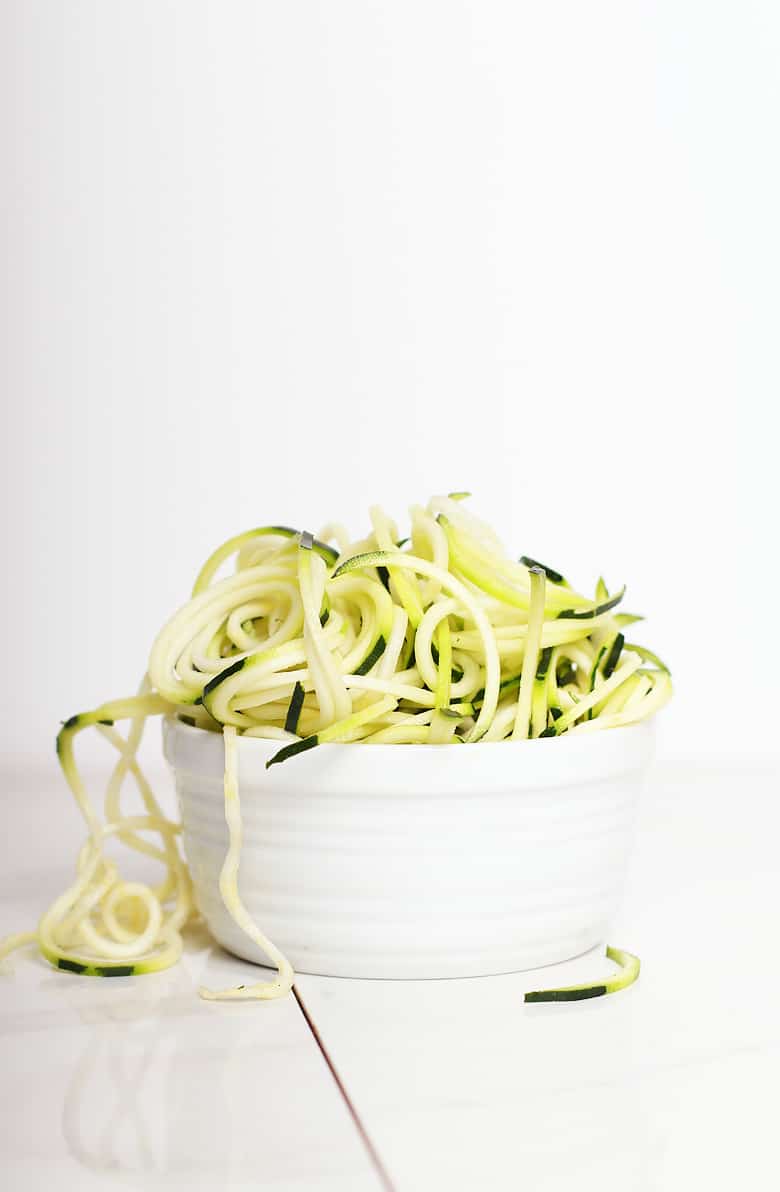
<point x="232" y="545"/>
<point x="457" y="674"/>
<point x="594" y="674"/>
<point x="544" y="662"/>
<point x="294" y="747"/>
<point x="97" y="970"/>
<point x="539" y="707"/>
<point x="553" y="576"/>
<point x="611" y="661"/>
<point x="221" y="676"/>
<point x="294" y="710"/>
<point x="594" y="697"/>
<point x="384" y="576"/>
<point x="523" y="726"/>
<point x="334" y="731"/>
<point x="586" y="614"/>
<point x="565" y="672"/>
<point x="629" y="972"/>
<point x="376" y="652"/>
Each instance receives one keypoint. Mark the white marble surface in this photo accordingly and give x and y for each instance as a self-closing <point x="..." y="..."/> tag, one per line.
<point x="144" y="1087"/>
<point x="136" y="1082"/>
<point x="671" y="1085"/>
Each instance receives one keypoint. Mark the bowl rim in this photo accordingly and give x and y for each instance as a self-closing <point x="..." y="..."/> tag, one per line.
<point x="439" y="770"/>
<point x="623" y="731"/>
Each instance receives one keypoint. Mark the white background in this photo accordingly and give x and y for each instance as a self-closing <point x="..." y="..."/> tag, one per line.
<point x="275" y="262"/>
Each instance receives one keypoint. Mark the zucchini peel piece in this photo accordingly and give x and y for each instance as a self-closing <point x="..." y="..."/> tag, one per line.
<point x="334" y="731"/>
<point x="627" y="975"/>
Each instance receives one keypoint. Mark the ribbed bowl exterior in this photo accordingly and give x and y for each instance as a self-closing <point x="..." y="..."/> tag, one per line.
<point x="417" y="860"/>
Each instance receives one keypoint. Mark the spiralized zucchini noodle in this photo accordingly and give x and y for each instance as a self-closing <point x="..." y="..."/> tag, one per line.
<point x="627" y="974"/>
<point x="438" y="639"/>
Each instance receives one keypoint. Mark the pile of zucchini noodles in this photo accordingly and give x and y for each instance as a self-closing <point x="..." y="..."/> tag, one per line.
<point x="437" y="639"/>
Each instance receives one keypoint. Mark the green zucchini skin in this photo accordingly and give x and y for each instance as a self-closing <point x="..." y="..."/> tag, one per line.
<point x="544" y="663"/>
<point x="373" y="656"/>
<point x="71" y="966"/>
<point x="613" y="656"/>
<point x="509" y="684"/>
<point x="309" y="542"/>
<point x="587" y="614"/>
<point x="566" y="995"/>
<point x="457" y="673"/>
<point x="593" y="675"/>
<point x="325" y="552"/>
<point x="292" y="749"/>
<point x="554" y="577"/>
<point x="214" y="683"/>
<point x="408" y="651"/>
<point x="565" y="672"/>
<point x="628" y="964"/>
<point x="384" y="576"/>
<point x="68" y="726"/>
<point x="95" y="970"/>
<point x="294" y="710"/>
<point x="328" y="553"/>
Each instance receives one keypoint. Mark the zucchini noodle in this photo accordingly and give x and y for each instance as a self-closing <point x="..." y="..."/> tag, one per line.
<point x="228" y="888"/>
<point x="628" y="966"/>
<point x="444" y="639"/>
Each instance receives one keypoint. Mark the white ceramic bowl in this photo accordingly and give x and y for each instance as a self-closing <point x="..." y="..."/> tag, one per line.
<point x="417" y="860"/>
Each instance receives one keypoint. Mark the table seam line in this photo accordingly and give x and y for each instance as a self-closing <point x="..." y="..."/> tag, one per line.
<point x="365" y="1138"/>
